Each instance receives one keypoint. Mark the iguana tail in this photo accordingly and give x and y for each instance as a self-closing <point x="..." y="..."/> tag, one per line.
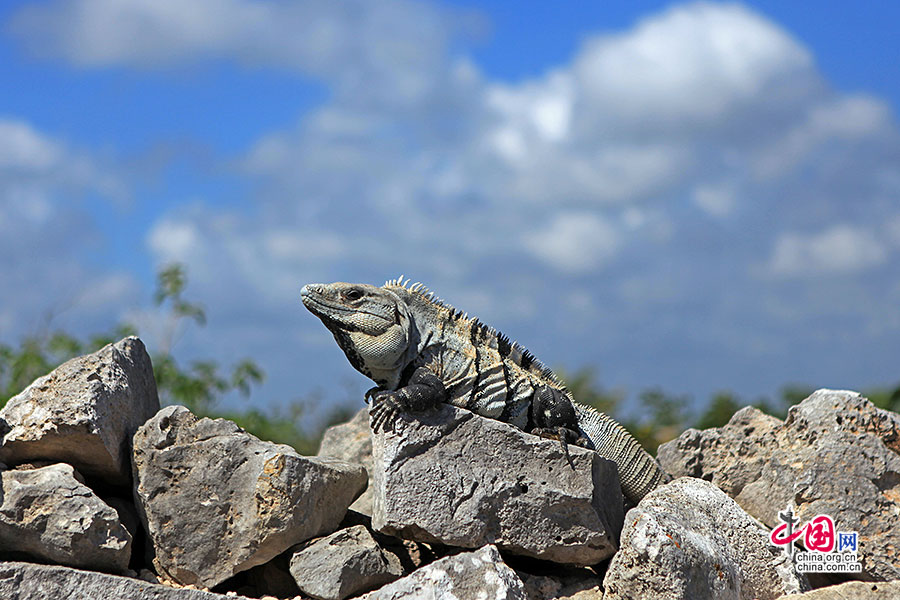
<point x="638" y="471"/>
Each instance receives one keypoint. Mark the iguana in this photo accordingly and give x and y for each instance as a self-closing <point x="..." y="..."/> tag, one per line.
<point x="420" y="352"/>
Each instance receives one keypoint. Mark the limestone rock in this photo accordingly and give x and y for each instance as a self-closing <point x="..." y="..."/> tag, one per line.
<point x="452" y="477"/>
<point x="84" y="412"/>
<point x="352" y="442"/>
<point x="25" y="581"/>
<point x="49" y="515"/>
<point x="852" y="590"/>
<point x="835" y="454"/>
<point x="215" y="500"/>
<point x="466" y="576"/>
<point x="687" y="539"/>
<point x="584" y="585"/>
<point x="343" y="564"/>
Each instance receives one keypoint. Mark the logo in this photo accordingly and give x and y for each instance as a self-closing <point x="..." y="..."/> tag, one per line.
<point x="827" y="550"/>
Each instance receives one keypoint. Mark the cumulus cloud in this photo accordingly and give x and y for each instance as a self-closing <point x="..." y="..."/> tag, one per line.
<point x="25" y="149"/>
<point x="839" y="249"/>
<point x="43" y="220"/>
<point x="349" y="44"/>
<point x="702" y="107"/>
<point x="690" y="66"/>
<point x="717" y="199"/>
<point x="832" y="122"/>
<point x="575" y="242"/>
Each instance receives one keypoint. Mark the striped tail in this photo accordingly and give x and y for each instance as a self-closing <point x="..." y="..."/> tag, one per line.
<point x="638" y="471"/>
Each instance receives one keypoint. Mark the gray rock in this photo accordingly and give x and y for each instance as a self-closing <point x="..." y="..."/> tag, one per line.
<point x="687" y="539"/>
<point x="352" y="442"/>
<point x="84" y="412"/>
<point x="584" y="585"/>
<point x="272" y="579"/>
<point x="343" y="564"/>
<point x="49" y="515"/>
<point x="452" y="477"/>
<point x="467" y="576"/>
<point x="411" y="555"/>
<point x="216" y="500"/>
<point x="835" y="454"/>
<point x="853" y="590"/>
<point x="25" y="581"/>
<point x="128" y="514"/>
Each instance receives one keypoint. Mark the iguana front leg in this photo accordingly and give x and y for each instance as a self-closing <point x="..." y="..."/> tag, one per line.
<point x="424" y="391"/>
<point x="553" y="416"/>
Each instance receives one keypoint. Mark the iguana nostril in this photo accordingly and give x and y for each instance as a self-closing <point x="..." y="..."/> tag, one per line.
<point x="310" y="288"/>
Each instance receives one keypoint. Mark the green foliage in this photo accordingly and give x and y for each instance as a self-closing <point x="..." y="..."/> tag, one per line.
<point x="663" y="418"/>
<point x="20" y="366"/>
<point x="719" y="410"/>
<point x="886" y="398"/>
<point x="200" y="385"/>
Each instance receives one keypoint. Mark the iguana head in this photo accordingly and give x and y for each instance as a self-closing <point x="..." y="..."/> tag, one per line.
<point x="372" y="326"/>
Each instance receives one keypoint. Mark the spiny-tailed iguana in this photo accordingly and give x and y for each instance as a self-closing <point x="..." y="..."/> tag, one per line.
<point x="421" y="351"/>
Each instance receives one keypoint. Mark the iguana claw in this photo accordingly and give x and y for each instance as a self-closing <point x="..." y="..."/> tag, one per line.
<point x="565" y="436"/>
<point x="371" y="392"/>
<point x="384" y="411"/>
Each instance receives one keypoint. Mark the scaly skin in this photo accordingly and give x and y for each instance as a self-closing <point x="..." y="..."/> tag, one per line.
<point x="420" y="352"/>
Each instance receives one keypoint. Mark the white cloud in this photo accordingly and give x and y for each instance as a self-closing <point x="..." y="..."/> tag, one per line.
<point x="716" y="199"/>
<point x="542" y="109"/>
<point x="575" y="242"/>
<point x="842" y="120"/>
<point x="226" y="250"/>
<point x="681" y="109"/>
<point x="172" y="240"/>
<point x="25" y="149"/>
<point x="839" y="249"/>
<point x="356" y="45"/>
<point x="46" y="233"/>
<point x="690" y="65"/>
<point x="640" y="113"/>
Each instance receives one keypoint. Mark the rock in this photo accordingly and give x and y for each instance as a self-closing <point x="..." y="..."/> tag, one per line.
<point x="687" y="539"/>
<point x="352" y="442"/>
<point x="49" y="515"/>
<point x="216" y="500"/>
<point x="452" y="477"/>
<point x="836" y="454"/>
<point x="466" y="576"/>
<point x="852" y="590"/>
<point x="272" y="578"/>
<point x="576" y="586"/>
<point x="84" y="412"/>
<point x="343" y="564"/>
<point x="410" y="554"/>
<point x="128" y="515"/>
<point x="26" y="581"/>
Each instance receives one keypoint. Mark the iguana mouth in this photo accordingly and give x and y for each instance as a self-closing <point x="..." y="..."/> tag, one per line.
<point x="310" y="300"/>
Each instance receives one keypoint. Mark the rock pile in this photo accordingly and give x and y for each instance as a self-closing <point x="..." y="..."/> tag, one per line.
<point x="835" y="454"/>
<point x="104" y="495"/>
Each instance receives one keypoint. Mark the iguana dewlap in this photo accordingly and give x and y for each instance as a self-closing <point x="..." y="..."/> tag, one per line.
<point x="420" y="352"/>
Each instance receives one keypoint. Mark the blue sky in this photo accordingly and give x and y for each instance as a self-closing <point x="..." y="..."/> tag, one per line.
<point x="697" y="196"/>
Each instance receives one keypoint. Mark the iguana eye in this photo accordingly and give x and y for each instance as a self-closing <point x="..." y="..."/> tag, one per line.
<point x="353" y="294"/>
